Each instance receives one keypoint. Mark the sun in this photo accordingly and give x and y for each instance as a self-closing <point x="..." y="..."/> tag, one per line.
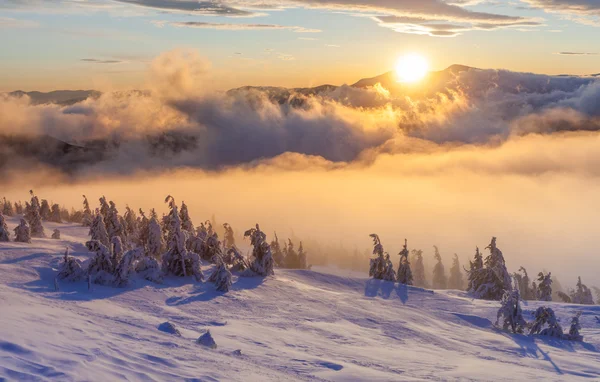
<point x="411" y="67"/>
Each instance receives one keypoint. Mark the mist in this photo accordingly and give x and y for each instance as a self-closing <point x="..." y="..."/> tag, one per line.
<point x="488" y="153"/>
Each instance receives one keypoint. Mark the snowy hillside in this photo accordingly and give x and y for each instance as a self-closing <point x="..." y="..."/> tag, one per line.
<point x="296" y="325"/>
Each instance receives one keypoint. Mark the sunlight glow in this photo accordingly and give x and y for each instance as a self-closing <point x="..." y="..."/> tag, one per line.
<point x="411" y="68"/>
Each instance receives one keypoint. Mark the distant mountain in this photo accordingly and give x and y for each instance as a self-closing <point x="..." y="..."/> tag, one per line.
<point x="60" y="97"/>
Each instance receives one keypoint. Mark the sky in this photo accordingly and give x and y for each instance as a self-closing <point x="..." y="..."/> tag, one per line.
<point x="107" y="44"/>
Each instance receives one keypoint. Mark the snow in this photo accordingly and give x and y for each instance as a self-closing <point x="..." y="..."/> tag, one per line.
<point x="323" y="325"/>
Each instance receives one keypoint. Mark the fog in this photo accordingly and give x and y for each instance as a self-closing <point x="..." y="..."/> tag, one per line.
<point x="489" y="153"/>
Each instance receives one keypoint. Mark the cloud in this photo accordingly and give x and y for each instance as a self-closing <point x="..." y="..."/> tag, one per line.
<point x="9" y="23"/>
<point x="577" y="53"/>
<point x="235" y="27"/>
<point x="100" y="61"/>
<point x="582" y="11"/>
<point x="425" y="26"/>
<point x="214" y="8"/>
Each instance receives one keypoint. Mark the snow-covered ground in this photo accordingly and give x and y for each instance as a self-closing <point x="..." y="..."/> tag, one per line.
<point x="296" y="325"/>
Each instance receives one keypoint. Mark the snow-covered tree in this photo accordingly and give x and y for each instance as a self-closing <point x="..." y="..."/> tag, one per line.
<point x="7" y="208"/>
<point x="114" y="223"/>
<point x="55" y="214"/>
<point x="523" y="282"/>
<point x="116" y="248"/>
<point x="210" y="247"/>
<point x="131" y="224"/>
<point x="22" y="232"/>
<point x="582" y="295"/>
<point x="19" y="208"/>
<point x="45" y="210"/>
<point x="101" y="267"/>
<point x="177" y="260"/>
<point x="71" y="269"/>
<point x="510" y="312"/>
<point x="278" y="255"/>
<point x="221" y="276"/>
<point x="302" y="264"/>
<point x="186" y="221"/>
<point x="235" y="259"/>
<point x="98" y="229"/>
<point x="126" y="265"/>
<point x="104" y="209"/>
<point x="439" y="274"/>
<point x="155" y="244"/>
<point x="388" y="273"/>
<point x="262" y="259"/>
<point x="291" y="257"/>
<point x="56" y="234"/>
<point x="574" y="334"/>
<point x="475" y="272"/>
<point x="378" y="265"/>
<point x="4" y="232"/>
<point x="87" y="217"/>
<point x="546" y="324"/>
<point x="34" y="218"/>
<point x="404" y="272"/>
<point x="544" y="287"/>
<point x="418" y="268"/>
<point x="229" y="238"/>
<point x="455" y="281"/>
<point x="493" y="280"/>
<point x="149" y="268"/>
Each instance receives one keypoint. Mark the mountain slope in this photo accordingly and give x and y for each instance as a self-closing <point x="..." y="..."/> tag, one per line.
<point x="297" y="325"/>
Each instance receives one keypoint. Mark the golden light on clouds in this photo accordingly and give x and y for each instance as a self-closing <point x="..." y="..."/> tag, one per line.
<point x="411" y="68"/>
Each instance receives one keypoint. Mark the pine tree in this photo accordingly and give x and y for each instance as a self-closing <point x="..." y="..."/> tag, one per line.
<point x="22" y="232"/>
<point x="33" y="217"/>
<point x="177" y="260"/>
<point x="229" y="239"/>
<point x="71" y="269"/>
<point x="510" y="312"/>
<point x="101" y="266"/>
<point x="493" y="280"/>
<point x="262" y="259"/>
<point x="98" y="230"/>
<point x="544" y="287"/>
<point x="475" y="273"/>
<point x="439" y="275"/>
<point x="155" y="244"/>
<point x="574" y="334"/>
<point x="302" y="258"/>
<point x="278" y="256"/>
<point x="455" y="281"/>
<point x="404" y="272"/>
<point x="7" y="208"/>
<point x="545" y="317"/>
<point x="419" y="268"/>
<point x="221" y="276"/>
<point x="186" y="221"/>
<point x="87" y="217"/>
<point x="4" y="232"/>
<point x="377" y="267"/>
<point x="523" y="284"/>
<point x="582" y="295"/>
<point x="54" y="215"/>
<point x="45" y="210"/>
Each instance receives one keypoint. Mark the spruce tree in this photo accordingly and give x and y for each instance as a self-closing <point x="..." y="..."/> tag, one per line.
<point x="439" y="275"/>
<point x="4" y="232"/>
<point x="544" y="287"/>
<point x="221" y="276"/>
<point x="229" y="239"/>
<point x="302" y="257"/>
<point x="56" y="234"/>
<point x="101" y="267"/>
<point x="278" y="255"/>
<point x="22" y="232"/>
<point x="7" y="208"/>
<point x="33" y="217"/>
<point x="377" y="267"/>
<point x="475" y="271"/>
<point x="98" y="230"/>
<point x="87" y="217"/>
<point x="404" y="275"/>
<point x="523" y="283"/>
<point x="545" y="323"/>
<point x="262" y="259"/>
<point x="186" y="221"/>
<point x="55" y="215"/>
<point x="45" y="210"/>
<point x="177" y="260"/>
<point x="493" y="280"/>
<point x="510" y="312"/>
<point x="155" y="244"/>
<point x="71" y="269"/>
<point x="582" y="295"/>
<point x="418" y="268"/>
<point x="291" y="257"/>
<point x="574" y="334"/>
<point x="455" y="281"/>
